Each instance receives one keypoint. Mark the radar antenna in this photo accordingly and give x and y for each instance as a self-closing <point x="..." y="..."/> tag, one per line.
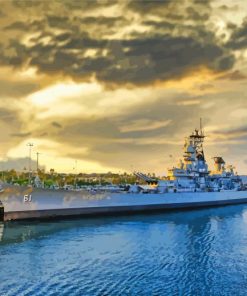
<point x="201" y="130"/>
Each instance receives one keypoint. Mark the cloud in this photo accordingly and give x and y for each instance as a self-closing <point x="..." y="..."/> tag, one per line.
<point x="152" y="127"/>
<point x="11" y="128"/>
<point x="206" y="86"/>
<point x="238" y="133"/>
<point x="26" y="3"/>
<point x="226" y="7"/>
<point x="162" y="58"/>
<point x="17" y="88"/>
<point x="238" y="38"/>
<point x="8" y="116"/>
<point x="2" y="14"/>
<point x="119" y="83"/>
<point x="144" y="125"/>
<point x="235" y="75"/>
<point x="17" y="26"/>
<point x="88" y="5"/>
<point x="56" y="124"/>
<point x="170" y="49"/>
<point x="48" y="149"/>
<point x="18" y="164"/>
<point x="21" y="135"/>
<point x="144" y="6"/>
<point x="101" y="20"/>
<point x="113" y="139"/>
<point x="171" y="9"/>
<point x="188" y="102"/>
<point x="123" y="140"/>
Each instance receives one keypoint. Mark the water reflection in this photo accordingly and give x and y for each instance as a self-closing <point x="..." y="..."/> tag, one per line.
<point x="196" y="220"/>
<point x="1" y="231"/>
<point x="201" y="252"/>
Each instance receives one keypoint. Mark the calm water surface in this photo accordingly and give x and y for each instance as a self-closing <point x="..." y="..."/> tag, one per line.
<point x="200" y="252"/>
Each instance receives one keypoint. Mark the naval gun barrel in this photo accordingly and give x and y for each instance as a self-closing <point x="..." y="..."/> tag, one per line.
<point x="144" y="177"/>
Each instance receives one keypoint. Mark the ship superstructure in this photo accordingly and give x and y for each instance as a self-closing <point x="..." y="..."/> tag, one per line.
<point x="192" y="173"/>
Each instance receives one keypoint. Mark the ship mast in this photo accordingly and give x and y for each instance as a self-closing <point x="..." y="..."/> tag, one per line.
<point x="196" y="140"/>
<point x="201" y="131"/>
<point x="200" y="147"/>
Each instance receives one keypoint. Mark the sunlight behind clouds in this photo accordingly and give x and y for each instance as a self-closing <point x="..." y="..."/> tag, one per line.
<point x="110" y="83"/>
<point x="55" y="94"/>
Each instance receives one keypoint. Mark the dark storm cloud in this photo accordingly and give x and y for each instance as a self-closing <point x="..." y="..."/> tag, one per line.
<point x="17" y="59"/>
<point x="200" y="33"/>
<point x="84" y="42"/>
<point x="238" y="39"/>
<point x="101" y="20"/>
<point x="196" y="15"/>
<point x="174" y="10"/>
<point x="169" y="49"/>
<point x="57" y="21"/>
<point x="17" y="26"/>
<point x="27" y="3"/>
<point x="161" y="57"/>
<point x="64" y="36"/>
<point x="88" y="4"/>
<point x="160" y="25"/>
<point x="136" y="61"/>
<point x="147" y="6"/>
<point x="25" y="26"/>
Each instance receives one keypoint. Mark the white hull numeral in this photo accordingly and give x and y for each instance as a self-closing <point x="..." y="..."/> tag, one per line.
<point x="27" y="198"/>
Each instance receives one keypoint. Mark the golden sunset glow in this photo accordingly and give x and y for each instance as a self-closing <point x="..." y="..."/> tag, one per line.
<point x="116" y="85"/>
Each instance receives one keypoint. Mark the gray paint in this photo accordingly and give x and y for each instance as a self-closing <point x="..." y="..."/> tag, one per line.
<point x="113" y="210"/>
<point x="60" y="203"/>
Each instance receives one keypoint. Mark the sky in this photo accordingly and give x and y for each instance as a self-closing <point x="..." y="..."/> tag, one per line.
<point x="101" y="86"/>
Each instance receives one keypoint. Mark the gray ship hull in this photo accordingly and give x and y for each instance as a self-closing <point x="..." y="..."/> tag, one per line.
<point x="33" y="203"/>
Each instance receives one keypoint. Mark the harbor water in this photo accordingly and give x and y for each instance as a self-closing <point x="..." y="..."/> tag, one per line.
<point x="201" y="252"/>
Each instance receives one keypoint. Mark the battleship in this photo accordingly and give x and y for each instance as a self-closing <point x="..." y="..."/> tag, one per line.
<point x="188" y="185"/>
